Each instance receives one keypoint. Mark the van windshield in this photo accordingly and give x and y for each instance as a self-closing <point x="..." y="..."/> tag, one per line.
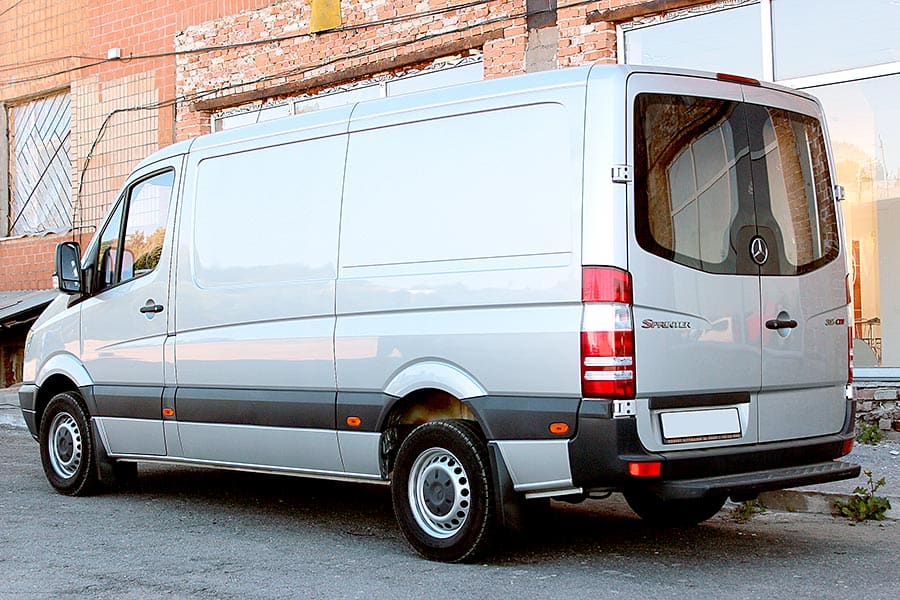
<point x="711" y="175"/>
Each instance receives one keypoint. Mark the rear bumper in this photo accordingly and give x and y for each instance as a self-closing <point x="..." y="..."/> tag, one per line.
<point x="602" y="449"/>
<point x="748" y="485"/>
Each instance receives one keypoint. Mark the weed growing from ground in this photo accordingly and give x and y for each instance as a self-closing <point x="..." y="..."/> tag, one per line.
<point x="869" y="434"/>
<point x="745" y="510"/>
<point x="864" y="504"/>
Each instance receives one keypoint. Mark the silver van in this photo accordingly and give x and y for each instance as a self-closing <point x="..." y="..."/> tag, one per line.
<point x="560" y="285"/>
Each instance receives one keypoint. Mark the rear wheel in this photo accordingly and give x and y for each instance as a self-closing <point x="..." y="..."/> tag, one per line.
<point x="673" y="513"/>
<point x="67" y="449"/>
<point x="442" y="492"/>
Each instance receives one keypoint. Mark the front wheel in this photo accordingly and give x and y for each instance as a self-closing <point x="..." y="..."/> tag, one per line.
<point x="441" y="490"/>
<point x="67" y="450"/>
<point x="664" y="512"/>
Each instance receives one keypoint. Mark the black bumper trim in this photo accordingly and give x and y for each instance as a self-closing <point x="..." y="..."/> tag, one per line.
<point x="27" y="397"/>
<point x="602" y="448"/>
<point x="752" y="483"/>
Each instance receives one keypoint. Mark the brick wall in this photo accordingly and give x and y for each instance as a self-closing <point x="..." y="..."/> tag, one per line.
<point x="301" y="62"/>
<point x="27" y="263"/>
<point x="155" y="97"/>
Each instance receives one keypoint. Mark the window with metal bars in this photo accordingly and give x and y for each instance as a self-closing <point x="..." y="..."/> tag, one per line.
<point x="40" y="166"/>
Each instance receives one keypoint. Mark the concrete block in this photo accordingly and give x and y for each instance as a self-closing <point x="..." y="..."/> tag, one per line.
<point x="864" y="394"/>
<point x="885" y="394"/>
<point x="803" y="502"/>
<point x="885" y="424"/>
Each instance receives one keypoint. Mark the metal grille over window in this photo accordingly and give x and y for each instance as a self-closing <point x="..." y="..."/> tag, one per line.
<point x="41" y="169"/>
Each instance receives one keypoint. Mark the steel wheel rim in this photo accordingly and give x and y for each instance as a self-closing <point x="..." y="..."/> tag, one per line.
<point x="439" y="493"/>
<point x="65" y="447"/>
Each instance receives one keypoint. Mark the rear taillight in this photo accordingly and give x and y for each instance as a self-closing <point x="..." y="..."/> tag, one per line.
<point x="849" y="355"/>
<point x="849" y="331"/>
<point x="607" y="334"/>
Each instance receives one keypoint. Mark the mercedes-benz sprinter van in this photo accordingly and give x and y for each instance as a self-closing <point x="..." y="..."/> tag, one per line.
<point x="592" y="280"/>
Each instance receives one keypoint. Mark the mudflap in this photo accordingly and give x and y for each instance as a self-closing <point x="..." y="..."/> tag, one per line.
<point x="508" y="504"/>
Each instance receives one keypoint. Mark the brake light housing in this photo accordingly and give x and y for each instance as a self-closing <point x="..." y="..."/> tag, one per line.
<point x="607" y="334"/>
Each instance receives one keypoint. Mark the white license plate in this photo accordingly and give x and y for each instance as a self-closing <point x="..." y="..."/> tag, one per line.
<point x="700" y="425"/>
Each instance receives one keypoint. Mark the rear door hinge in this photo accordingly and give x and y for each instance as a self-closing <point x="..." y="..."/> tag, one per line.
<point x="624" y="408"/>
<point x="621" y="173"/>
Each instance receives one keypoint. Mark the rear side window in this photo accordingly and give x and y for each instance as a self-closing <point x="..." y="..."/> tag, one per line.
<point x="710" y="175"/>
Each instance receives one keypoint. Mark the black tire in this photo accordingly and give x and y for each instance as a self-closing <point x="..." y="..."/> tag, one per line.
<point x="673" y="513"/>
<point x="67" y="448"/>
<point x="452" y="518"/>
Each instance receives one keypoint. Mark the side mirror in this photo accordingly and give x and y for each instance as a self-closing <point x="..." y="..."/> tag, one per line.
<point x="68" y="267"/>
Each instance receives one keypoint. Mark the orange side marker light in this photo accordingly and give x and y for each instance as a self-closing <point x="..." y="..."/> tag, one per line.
<point x="354" y="421"/>
<point x="168" y="412"/>
<point x="559" y="428"/>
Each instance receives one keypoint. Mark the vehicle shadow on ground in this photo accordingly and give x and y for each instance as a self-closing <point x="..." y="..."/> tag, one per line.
<point x="590" y="531"/>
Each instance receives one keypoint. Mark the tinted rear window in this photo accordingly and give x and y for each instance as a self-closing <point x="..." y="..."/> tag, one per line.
<point x="712" y="174"/>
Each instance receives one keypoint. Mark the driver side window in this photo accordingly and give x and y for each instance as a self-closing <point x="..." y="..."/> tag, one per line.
<point x="132" y="251"/>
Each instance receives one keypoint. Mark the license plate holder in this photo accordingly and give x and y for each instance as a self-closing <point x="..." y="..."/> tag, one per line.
<point x="683" y="427"/>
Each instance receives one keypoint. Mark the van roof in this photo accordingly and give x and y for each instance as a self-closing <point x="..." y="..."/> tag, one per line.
<point x="575" y="76"/>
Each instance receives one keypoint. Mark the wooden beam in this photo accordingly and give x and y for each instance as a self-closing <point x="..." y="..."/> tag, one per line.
<point x="349" y="74"/>
<point x="627" y="13"/>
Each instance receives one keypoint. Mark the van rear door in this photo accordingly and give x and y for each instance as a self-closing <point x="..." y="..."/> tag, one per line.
<point x="696" y="290"/>
<point x="736" y="238"/>
<point x="802" y="284"/>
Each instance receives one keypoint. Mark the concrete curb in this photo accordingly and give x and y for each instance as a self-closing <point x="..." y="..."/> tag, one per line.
<point x="10" y="414"/>
<point x="805" y="501"/>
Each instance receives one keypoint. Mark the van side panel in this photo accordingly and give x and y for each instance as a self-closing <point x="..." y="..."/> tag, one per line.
<point x="460" y="244"/>
<point x="255" y="294"/>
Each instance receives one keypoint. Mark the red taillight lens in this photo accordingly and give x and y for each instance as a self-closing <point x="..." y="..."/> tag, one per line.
<point x="850" y="355"/>
<point x="607" y="364"/>
<point x="849" y="331"/>
<point x="847" y="447"/>
<point x="605" y="284"/>
<point x="607" y="334"/>
<point x="645" y="469"/>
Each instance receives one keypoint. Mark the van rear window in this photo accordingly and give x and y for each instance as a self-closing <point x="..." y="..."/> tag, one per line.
<point x="710" y="175"/>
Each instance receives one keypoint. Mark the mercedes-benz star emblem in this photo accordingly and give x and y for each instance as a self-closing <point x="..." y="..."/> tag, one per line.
<point x="759" y="250"/>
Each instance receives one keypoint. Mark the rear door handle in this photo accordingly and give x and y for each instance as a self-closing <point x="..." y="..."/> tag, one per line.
<point x="151" y="307"/>
<point x="781" y="324"/>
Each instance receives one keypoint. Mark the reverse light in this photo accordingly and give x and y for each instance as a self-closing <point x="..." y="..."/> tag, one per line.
<point x="607" y="334"/>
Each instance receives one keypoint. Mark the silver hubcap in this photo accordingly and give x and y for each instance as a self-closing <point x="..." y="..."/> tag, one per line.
<point x="439" y="493"/>
<point x="65" y="445"/>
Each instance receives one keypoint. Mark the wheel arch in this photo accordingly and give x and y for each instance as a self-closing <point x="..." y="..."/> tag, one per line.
<point x="434" y="374"/>
<point x="61" y="373"/>
<point x="420" y="406"/>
